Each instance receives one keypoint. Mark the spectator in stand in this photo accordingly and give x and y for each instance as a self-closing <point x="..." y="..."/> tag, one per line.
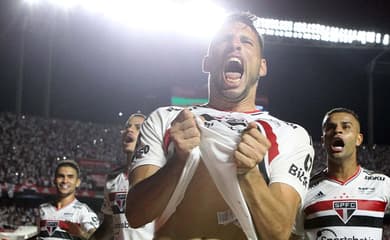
<point x="344" y="198"/>
<point x="114" y="223"/>
<point x="66" y="217"/>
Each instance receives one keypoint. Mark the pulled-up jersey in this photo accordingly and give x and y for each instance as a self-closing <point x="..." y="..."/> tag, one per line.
<point x="114" y="204"/>
<point x="353" y="209"/>
<point x="289" y="159"/>
<point x="53" y="222"/>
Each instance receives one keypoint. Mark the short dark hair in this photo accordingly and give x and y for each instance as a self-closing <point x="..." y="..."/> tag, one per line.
<point x="68" y="163"/>
<point x="137" y="114"/>
<point x="248" y="19"/>
<point x="339" y="110"/>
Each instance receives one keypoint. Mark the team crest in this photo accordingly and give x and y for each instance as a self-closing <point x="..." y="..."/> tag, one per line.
<point x="51" y="227"/>
<point x="120" y="201"/>
<point x="345" y="209"/>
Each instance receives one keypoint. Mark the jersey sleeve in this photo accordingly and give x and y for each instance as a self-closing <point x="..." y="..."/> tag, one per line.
<point x="89" y="219"/>
<point x="387" y="191"/>
<point x="154" y="134"/>
<point x="292" y="162"/>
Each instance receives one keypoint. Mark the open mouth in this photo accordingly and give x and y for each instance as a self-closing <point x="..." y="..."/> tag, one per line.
<point x="337" y="145"/>
<point x="233" y="69"/>
<point x="128" y="138"/>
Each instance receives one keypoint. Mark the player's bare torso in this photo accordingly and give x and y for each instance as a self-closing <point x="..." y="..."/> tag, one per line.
<point x="196" y="215"/>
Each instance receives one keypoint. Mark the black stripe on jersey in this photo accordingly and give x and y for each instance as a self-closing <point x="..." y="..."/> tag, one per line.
<point x="263" y="171"/>
<point x="116" y="210"/>
<point x="318" y="177"/>
<point x="332" y="221"/>
<point x="58" y="234"/>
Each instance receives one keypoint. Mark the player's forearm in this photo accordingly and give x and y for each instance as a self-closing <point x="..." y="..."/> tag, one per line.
<point x="104" y="231"/>
<point x="270" y="215"/>
<point x="85" y="235"/>
<point x="148" y="198"/>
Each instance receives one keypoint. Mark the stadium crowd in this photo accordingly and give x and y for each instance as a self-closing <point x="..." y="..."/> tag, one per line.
<point x="31" y="146"/>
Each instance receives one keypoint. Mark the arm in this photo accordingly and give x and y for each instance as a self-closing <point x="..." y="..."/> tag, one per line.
<point x="272" y="207"/>
<point x="152" y="186"/>
<point x="105" y="230"/>
<point x="75" y="229"/>
<point x="295" y="237"/>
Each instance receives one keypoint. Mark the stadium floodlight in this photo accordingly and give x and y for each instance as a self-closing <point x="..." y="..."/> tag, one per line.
<point x="386" y="39"/>
<point x="190" y="17"/>
<point x="199" y="18"/>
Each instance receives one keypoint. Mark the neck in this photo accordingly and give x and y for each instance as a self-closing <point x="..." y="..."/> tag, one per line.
<point x="129" y="156"/>
<point x="64" y="201"/>
<point x="342" y="170"/>
<point x="245" y="105"/>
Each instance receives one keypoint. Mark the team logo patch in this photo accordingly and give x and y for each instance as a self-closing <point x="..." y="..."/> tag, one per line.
<point x="345" y="209"/>
<point x="120" y="201"/>
<point x="51" y="227"/>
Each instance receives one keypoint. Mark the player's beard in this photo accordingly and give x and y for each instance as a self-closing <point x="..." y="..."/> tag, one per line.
<point x="232" y="95"/>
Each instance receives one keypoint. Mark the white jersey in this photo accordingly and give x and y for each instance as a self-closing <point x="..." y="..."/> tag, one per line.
<point x="353" y="209"/>
<point x="114" y="204"/>
<point x="289" y="159"/>
<point x="53" y="221"/>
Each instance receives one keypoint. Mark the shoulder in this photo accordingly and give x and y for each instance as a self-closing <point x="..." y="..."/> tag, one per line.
<point x="164" y="111"/>
<point x="317" y="178"/>
<point x="162" y="116"/>
<point x="374" y="175"/>
<point x="283" y="130"/>
<point x="81" y="205"/>
<point x="45" y="205"/>
<point x="115" y="173"/>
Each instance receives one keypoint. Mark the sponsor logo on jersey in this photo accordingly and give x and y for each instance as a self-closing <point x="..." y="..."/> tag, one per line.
<point x="299" y="173"/>
<point x="345" y="209"/>
<point x="120" y="201"/>
<point x="374" y="178"/>
<point x="308" y="163"/>
<point x="51" y="227"/>
<point x="366" y="190"/>
<point x="320" y="194"/>
<point x="234" y="124"/>
<point x="329" y="234"/>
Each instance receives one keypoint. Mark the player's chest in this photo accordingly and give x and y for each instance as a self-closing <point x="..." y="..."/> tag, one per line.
<point x="68" y="214"/>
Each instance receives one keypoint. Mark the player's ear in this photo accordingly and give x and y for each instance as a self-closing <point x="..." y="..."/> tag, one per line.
<point x="263" y="67"/>
<point x="78" y="182"/>
<point x="359" y="139"/>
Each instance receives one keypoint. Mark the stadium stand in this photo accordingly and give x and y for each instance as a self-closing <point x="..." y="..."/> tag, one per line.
<point x="31" y="146"/>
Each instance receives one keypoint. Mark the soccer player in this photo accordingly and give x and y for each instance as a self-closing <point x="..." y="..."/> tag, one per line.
<point x="114" y="223"/>
<point x="224" y="170"/>
<point x="344" y="201"/>
<point x="66" y="217"/>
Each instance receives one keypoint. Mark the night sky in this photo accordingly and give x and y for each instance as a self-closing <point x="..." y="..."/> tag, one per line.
<point x="100" y="69"/>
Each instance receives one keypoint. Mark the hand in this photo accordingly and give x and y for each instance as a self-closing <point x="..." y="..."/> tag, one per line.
<point x="74" y="229"/>
<point x="185" y="134"/>
<point x="251" y="149"/>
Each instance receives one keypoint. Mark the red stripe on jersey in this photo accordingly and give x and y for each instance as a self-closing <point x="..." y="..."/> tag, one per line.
<point x="64" y="225"/>
<point x="273" y="151"/>
<point x="167" y="139"/>
<point x="369" y="205"/>
<point x="350" y="179"/>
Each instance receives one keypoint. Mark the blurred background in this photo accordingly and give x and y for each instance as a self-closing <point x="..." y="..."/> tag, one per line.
<point x="72" y="71"/>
